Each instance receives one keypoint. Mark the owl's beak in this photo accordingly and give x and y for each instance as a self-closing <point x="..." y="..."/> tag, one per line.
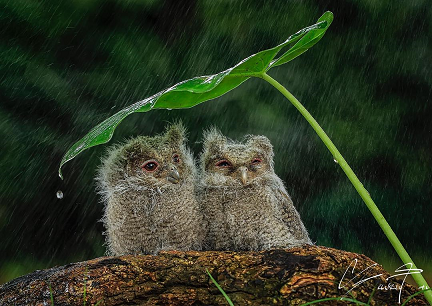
<point x="173" y="175"/>
<point x="243" y="172"/>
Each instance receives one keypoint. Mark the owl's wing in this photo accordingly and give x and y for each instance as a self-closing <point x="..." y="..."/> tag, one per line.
<point x="290" y="216"/>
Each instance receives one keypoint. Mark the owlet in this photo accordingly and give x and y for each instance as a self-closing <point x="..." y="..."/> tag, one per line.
<point x="148" y="187"/>
<point x="244" y="201"/>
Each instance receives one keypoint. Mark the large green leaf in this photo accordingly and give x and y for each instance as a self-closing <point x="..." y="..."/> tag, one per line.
<point x="200" y="89"/>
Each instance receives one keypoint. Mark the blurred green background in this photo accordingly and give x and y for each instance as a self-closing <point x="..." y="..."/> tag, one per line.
<point x="67" y="65"/>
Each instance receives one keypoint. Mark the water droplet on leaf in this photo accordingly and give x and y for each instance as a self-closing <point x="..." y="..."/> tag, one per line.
<point x="335" y="160"/>
<point x="59" y="194"/>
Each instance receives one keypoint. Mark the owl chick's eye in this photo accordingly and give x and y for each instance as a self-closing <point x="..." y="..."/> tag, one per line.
<point x="223" y="164"/>
<point x="150" y="166"/>
<point x="176" y="158"/>
<point x="256" y="161"/>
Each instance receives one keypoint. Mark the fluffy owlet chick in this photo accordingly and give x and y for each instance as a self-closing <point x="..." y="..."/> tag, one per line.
<point x="147" y="185"/>
<point x="244" y="201"/>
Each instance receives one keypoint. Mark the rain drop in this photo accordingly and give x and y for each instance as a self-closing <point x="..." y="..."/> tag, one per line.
<point x="169" y="109"/>
<point x="335" y="160"/>
<point x="59" y="194"/>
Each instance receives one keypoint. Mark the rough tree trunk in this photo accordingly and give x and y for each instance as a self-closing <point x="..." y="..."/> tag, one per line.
<point x="274" y="277"/>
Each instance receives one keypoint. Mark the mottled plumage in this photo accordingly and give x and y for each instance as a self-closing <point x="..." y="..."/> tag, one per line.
<point x="148" y="187"/>
<point x="244" y="201"/>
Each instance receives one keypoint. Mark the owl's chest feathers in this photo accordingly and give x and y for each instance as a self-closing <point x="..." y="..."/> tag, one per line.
<point x="231" y="197"/>
<point x="154" y="205"/>
<point x="249" y="204"/>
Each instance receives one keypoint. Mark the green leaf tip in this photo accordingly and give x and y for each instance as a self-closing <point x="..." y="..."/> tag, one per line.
<point x="307" y="41"/>
<point x="194" y="91"/>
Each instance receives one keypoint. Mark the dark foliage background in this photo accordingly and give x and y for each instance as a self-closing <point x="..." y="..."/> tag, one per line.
<point x="67" y="65"/>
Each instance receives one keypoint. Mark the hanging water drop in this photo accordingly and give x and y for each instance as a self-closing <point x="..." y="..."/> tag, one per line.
<point x="59" y="194"/>
<point x="335" y="160"/>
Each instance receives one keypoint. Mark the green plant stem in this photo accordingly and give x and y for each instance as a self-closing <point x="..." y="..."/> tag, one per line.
<point x="403" y="254"/>
<point x="220" y="289"/>
<point x="335" y="299"/>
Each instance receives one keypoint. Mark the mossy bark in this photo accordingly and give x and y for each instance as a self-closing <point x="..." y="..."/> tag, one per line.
<point x="273" y="277"/>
